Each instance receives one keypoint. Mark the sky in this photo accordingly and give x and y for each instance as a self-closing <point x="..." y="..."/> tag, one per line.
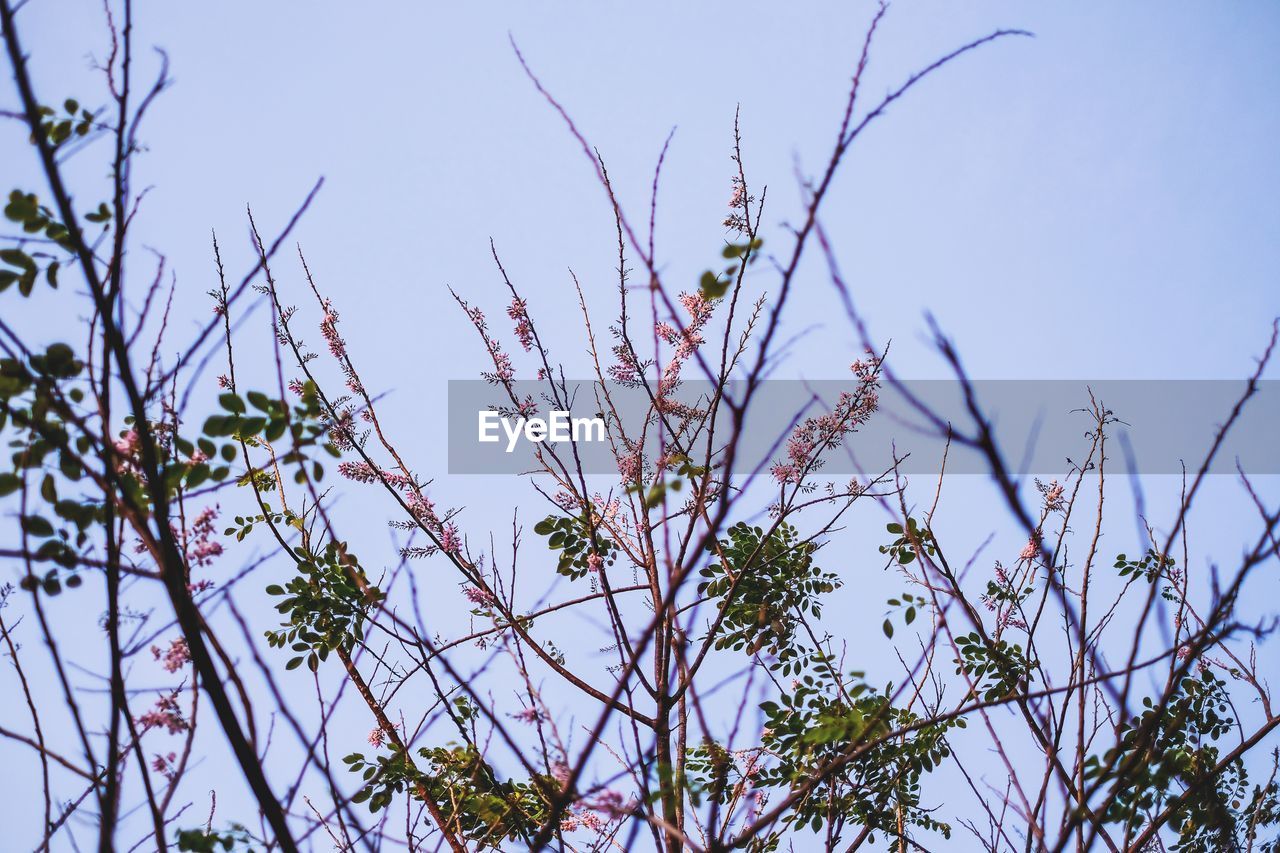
<point x="1101" y="201"/>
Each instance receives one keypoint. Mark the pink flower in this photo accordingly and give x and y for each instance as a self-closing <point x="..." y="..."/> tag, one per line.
<point x="478" y="596"/>
<point x="450" y="543"/>
<point x="329" y="331"/>
<point x="625" y="371"/>
<point x="423" y="509"/>
<point x="377" y="737"/>
<point x="697" y="306"/>
<point x="360" y="472"/>
<point x="176" y="657"/>
<point x="560" y="772"/>
<point x="1008" y="619"/>
<point x="816" y="434"/>
<point x="630" y="467"/>
<point x="595" y="562"/>
<point x="1030" y="550"/>
<point x="784" y="473"/>
<point x="199" y="545"/>
<point x="612" y="804"/>
<point x="166" y="714"/>
<point x="127" y="444"/>
<point x="750" y="759"/>
<point x="524" y="327"/>
<point x="164" y="765"/>
<point x="502" y="372"/>
<point x="528" y="715"/>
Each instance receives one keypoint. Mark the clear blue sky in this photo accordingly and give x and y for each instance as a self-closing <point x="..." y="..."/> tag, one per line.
<point x="1100" y="201"/>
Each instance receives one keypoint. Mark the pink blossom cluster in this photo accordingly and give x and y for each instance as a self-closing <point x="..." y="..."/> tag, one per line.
<point x="341" y="429"/>
<point x="450" y="540"/>
<point x="360" y="472"/>
<point x="698" y="307"/>
<point x="329" y="331"/>
<point x="609" y="508"/>
<point x="502" y="372"/>
<point x="165" y="765"/>
<point x="199" y="543"/>
<point x="612" y="804"/>
<point x="527" y="408"/>
<point x="560" y="772"/>
<point x="1008" y="619"/>
<point x="519" y="313"/>
<point x="630" y="467"/>
<point x="607" y="806"/>
<point x="419" y="504"/>
<point x="738" y="206"/>
<point x="1030" y="550"/>
<point x="749" y="759"/>
<point x="528" y="715"/>
<point x="338" y="346"/>
<point x="127" y="446"/>
<point x="479" y="596"/>
<point x="582" y="820"/>
<point x="166" y="714"/>
<point x="1053" y="496"/>
<point x="625" y="370"/>
<point x="686" y="342"/>
<point x="175" y="657"/>
<point x="818" y="433"/>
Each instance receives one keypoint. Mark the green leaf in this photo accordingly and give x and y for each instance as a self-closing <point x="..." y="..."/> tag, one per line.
<point x="17" y="258"/>
<point x="711" y="286"/>
<point x="220" y="425"/>
<point x="251" y="426"/>
<point x="37" y="526"/>
<point x="231" y="402"/>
